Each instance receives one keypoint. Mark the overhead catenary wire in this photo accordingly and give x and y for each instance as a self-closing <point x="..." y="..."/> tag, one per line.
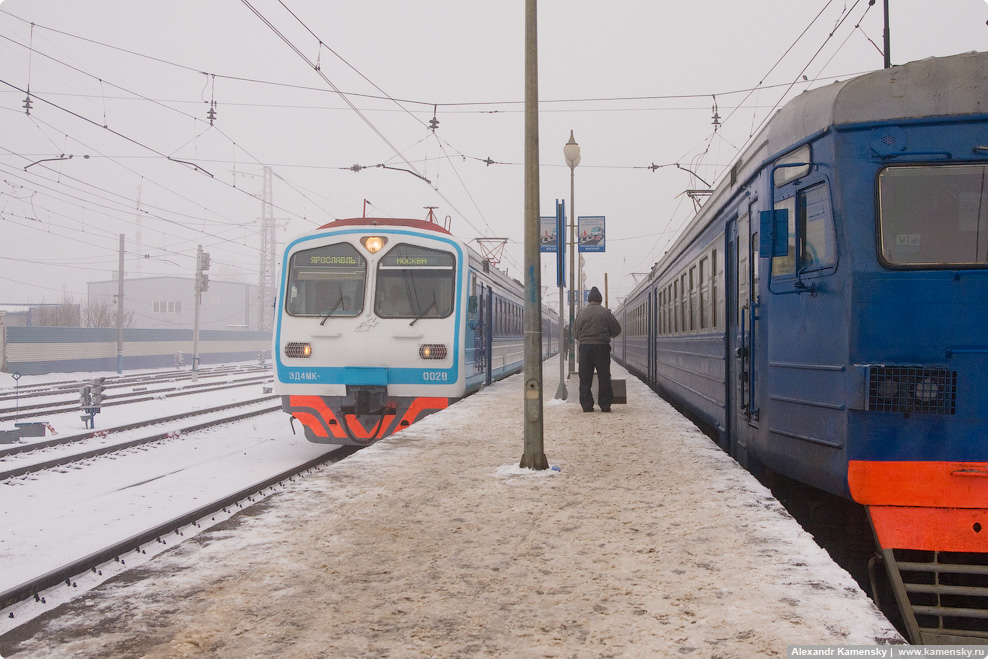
<point x="329" y="82"/>
<point x="845" y="13"/>
<point x="448" y="152"/>
<point x="150" y="100"/>
<point x="400" y="102"/>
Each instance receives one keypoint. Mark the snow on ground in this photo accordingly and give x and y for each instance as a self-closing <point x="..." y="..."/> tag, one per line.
<point x="645" y="541"/>
<point x="52" y="517"/>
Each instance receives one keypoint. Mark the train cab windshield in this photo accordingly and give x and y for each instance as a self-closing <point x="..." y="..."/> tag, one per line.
<point x="415" y="282"/>
<point x="326" y="281"/>
<point x="934" y="215"/>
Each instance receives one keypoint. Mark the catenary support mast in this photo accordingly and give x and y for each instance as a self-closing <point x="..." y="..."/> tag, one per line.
<point x="534" y="457"/>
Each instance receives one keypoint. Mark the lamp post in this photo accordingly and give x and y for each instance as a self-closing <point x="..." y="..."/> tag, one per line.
<point x="572" y="154"/>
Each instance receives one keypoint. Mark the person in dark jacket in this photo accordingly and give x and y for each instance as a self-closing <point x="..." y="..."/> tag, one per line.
<point x="595" y="325"/>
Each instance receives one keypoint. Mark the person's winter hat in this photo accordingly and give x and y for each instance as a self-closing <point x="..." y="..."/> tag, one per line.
<point x="594" y="295"/>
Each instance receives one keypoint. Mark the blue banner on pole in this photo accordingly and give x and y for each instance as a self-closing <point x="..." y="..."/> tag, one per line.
<point x="561" y="243"/>
<point x="591" y="233"/>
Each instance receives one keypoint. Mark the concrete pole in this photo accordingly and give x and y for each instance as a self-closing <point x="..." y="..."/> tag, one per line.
<point x="120" y="307"/>
<point x="533" y="457"/>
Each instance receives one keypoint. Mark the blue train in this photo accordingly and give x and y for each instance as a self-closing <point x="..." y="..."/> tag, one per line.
<point x="381" y="322"/>
<point x="825" y="315"/>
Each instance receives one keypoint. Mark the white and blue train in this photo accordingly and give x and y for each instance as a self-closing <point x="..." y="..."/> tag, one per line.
<point x="381" y="322"/>
<point x="825" y="314"/>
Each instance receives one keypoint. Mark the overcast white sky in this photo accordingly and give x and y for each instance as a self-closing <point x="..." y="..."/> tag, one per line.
<point x="129" y="84"/>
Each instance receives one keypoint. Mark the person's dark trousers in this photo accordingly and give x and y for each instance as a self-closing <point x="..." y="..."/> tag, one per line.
<point x="595" y="356"/>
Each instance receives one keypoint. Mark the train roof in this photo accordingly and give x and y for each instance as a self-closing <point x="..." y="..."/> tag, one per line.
<point x="932" y="87"/>
<point x="423" y="225"/>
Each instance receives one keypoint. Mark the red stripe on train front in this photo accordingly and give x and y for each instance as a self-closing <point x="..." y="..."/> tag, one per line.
<point x="420" y="405"/>
<point x="312" y="421"/>
<point x="933" y="506"/>
<point x="933" y="484"/>
<point x="931" y="529"/>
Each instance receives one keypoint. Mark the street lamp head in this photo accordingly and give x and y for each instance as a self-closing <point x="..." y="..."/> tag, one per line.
<point x="572" y="152"/>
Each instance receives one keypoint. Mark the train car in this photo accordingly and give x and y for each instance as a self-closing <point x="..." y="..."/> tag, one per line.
<point x="381" y="322"/>
<point x="825" y="315"/>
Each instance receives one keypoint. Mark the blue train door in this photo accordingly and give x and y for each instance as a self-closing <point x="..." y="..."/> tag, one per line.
<point x="487" y="304"/>
<point x="479" y="325"/>
<point x="742" y="292"/>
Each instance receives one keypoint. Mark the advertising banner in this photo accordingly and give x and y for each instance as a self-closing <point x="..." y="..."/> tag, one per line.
<point x="547" y="233"/>
<point x="591" y="233"/>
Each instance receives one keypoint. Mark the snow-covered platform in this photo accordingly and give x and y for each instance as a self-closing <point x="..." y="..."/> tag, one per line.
<point x="644" y="540"/>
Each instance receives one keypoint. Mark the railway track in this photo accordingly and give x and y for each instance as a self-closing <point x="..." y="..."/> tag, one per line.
<point x="82" y="507"/>
<point x="136" y="395"/>
<point x="129" y="443"/>
<point x="117" y="551"/>
<point x="11" y="393"/>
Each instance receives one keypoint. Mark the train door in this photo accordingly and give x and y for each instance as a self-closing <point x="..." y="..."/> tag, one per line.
<point x="480" y="326"/>
<point x="742" y="292"/>
<point x="487" y="304"/>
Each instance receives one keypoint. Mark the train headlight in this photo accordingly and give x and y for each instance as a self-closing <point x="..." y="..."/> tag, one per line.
<point x="432" y="351"/>
<point x="373" y="244"/>
<point x="298" y="350"/>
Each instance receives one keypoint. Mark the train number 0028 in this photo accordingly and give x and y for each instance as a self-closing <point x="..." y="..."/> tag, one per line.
<point x="434" y="376"/>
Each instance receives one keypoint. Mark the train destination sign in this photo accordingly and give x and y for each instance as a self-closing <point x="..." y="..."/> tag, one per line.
<point x="332" y="256"/>
<point x="333" y="260"/>
<point x="403" y="257"/>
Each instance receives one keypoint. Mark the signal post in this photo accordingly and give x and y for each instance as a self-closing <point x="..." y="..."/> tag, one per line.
<point x="202" y="284"/>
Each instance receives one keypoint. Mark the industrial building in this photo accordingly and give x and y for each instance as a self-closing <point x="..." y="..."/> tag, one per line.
<point x="169" y="303"/>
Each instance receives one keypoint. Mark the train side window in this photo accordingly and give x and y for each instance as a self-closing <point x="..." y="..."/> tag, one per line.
<point x="670" y="310"/>
<point x="684" y="301"/>
<point x="415" y="282"/>
<point x="694" y="299"/>
<point x="326" y="281"/>
<point x="816" y="228"/>
<point x="662" y="312"/>
<point x="786" y="265"/>
<point x="812" y="244"/>
<point x="742" y="276"/>
<point x="677" y="318"/>
<point x="704" y="292"/>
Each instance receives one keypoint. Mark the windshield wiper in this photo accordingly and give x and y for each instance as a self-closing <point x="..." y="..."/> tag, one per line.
<point x="335" y="307"/>
<point x="434" y="305"/>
